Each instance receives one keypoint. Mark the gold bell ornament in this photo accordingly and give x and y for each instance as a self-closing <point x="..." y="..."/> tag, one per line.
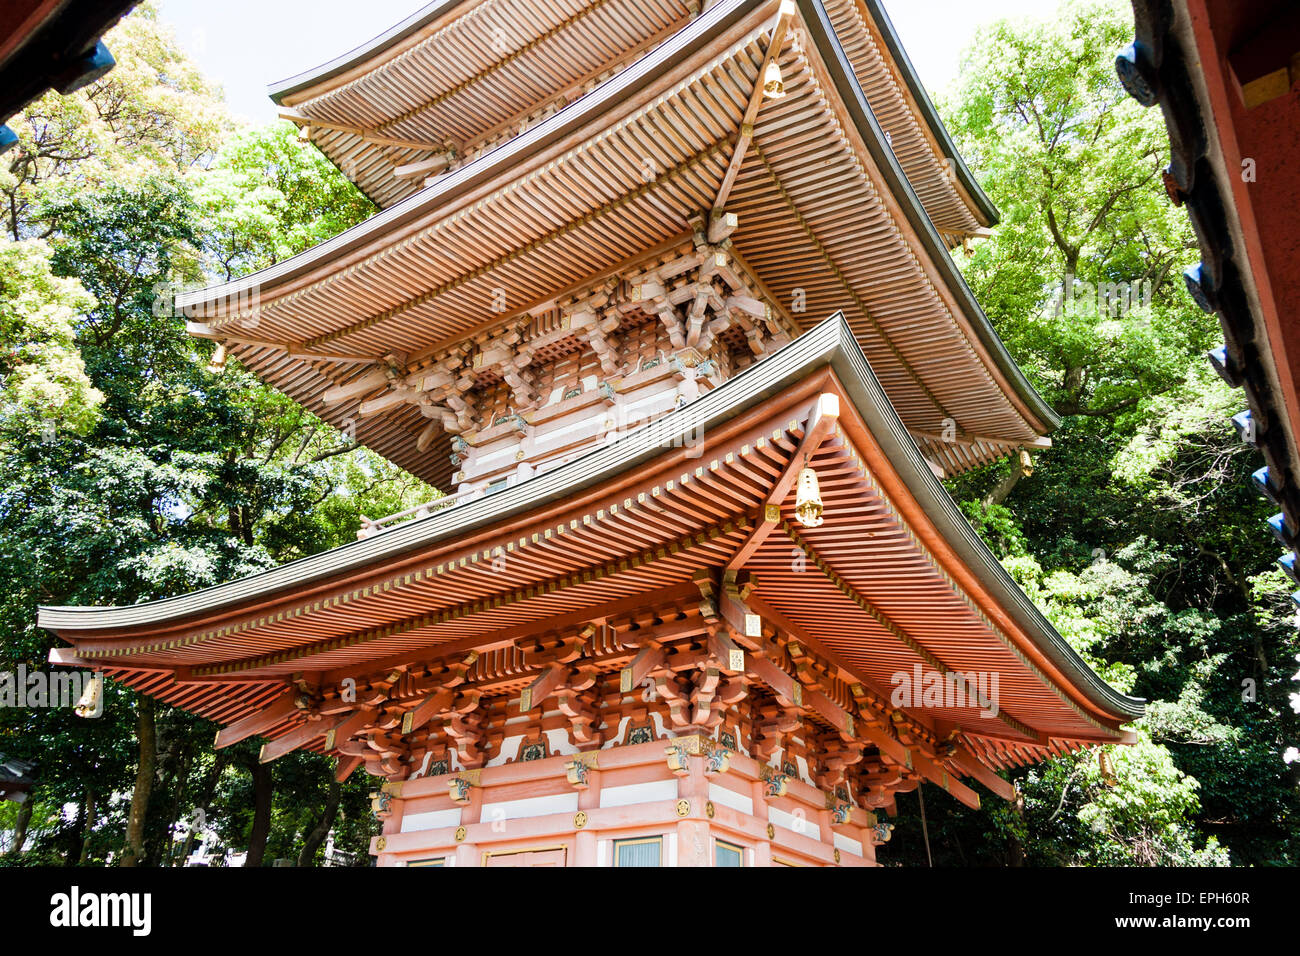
<point x="808" y="502"/>
<point x="773" y="85"/>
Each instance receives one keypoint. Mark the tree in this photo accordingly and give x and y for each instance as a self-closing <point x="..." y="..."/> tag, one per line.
<point x="168" y="474"/>
<point x="1083" y="275"/>
<point x="1137" y="533"/>
<point x="269" y="195"/>
<point x="43" y="381"/>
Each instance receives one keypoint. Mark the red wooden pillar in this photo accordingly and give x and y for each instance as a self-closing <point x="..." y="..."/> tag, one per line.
<point x="584" y="853"/>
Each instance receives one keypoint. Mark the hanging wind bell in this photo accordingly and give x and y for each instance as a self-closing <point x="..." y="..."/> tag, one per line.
<point x="218" y="362"/>
<point x="808" y="502"/>
<point x="773" y="85"/>
<point x="1106" y="767"/>
<point x="89" y="704"/>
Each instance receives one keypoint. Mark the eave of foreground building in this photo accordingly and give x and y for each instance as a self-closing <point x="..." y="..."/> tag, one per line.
<point x="1224" y="76"/>
<point x="699" y="503"/>
<point x="55" y="44"/>
<point x="930" y="342"/>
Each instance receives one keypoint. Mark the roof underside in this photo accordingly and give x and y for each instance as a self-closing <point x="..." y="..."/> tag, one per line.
<point x="822" y="227"/>
<point x="472" y="82"/>
<point x="470" y="74"/>
<point x="878" y="585"/>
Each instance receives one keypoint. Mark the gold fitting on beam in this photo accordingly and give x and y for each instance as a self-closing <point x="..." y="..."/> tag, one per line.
<point x="458" y="788"/>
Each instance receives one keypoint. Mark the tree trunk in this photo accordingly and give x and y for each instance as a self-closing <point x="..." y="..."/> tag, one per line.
<point x="318" y="835"/>
<point x="88" y="828"/>
<point x="1016" y="848"/>
<point x="186" y="849"/>
<point x="134" y="851"/>
<point x="262" y="792"/>
<point x="202" y="800"/>
<point x="1021" y="466"/>
<point x="20" y="829"/>
<point x="176" y="786"/>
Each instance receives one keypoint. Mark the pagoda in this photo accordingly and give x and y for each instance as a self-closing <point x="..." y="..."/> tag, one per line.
<point x="660" y="299"/>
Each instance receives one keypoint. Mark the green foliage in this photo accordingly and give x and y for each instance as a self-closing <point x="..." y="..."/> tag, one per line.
<point x="1137" y="533"/>
<point x="269" y="195"/>
<point x="1074" y="165"/>
<point x="43" y="381"/>
<point x="164" y="474"/>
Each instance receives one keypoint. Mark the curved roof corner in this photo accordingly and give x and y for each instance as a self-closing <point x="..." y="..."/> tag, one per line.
<point x="926" y="107"/>
<point x="394" y="35"/>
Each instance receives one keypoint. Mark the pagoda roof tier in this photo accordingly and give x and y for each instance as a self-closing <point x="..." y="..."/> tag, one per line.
<point x="659" y="529"/>
<point x="463" y="77"/>
<point x="470" y="75"/>
<point x="898" y="100"/>
<point x="826" y="217"/>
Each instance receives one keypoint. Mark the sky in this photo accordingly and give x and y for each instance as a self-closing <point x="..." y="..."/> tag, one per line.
<point x="243" y="45"/>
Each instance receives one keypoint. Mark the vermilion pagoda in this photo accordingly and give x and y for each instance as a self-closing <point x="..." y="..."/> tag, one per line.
<point x="692" y="538"/>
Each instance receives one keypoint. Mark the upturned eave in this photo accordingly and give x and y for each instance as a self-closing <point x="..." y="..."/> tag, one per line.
<point x="892" y="457"/>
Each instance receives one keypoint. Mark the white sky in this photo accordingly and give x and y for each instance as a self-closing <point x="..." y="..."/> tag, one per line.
<point x="245" y="44"/>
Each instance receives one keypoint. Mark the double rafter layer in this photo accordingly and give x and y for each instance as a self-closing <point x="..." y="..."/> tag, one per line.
<point x="456" y="79"/>
<point x="825" y="219"/>
<point x="671" y="555"/>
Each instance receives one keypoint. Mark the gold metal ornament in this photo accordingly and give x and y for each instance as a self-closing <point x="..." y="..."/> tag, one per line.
<point x="381" y="844"/>
<point x="773" y="85"/>
<point x="808" y="503"/>
<point x="683" y="807"/>
<point x="89" y="703"/>
<point x="771" y="832"/>
<point x="708" y="809"/>
<point x="460" y="834"/>
<point x="1107" y="768"/>
<point x="1026" y="463"/>
<point x="218" y="362"/>
<point x="580" y="819"/>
